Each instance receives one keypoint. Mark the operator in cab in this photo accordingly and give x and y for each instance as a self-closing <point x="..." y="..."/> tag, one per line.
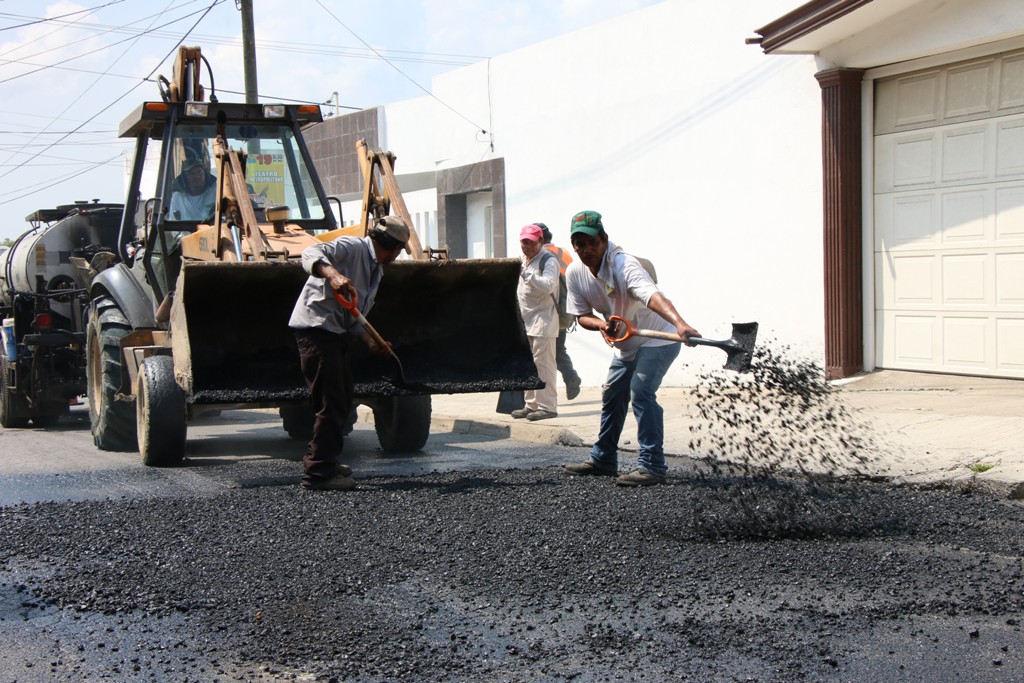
<point x="194" y="192"/>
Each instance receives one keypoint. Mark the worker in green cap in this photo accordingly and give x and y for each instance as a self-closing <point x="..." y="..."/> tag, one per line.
<point x="603" y="282"/>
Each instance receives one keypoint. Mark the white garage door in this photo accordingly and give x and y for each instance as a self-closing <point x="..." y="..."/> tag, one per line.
<point x="949" y="218"/>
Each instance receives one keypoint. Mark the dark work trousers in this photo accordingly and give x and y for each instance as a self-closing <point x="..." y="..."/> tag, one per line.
<point x="562" y="360"/>
<point x="324" y="359"/>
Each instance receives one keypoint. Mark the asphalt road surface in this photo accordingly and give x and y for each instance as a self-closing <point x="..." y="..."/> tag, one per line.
<point x="478" y="560"/>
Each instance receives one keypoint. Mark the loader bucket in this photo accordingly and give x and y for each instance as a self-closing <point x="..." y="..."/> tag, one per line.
<point x="455" y="325"/>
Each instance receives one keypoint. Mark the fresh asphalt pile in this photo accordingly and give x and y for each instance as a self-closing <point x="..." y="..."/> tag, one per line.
<point x="520" y="575"/>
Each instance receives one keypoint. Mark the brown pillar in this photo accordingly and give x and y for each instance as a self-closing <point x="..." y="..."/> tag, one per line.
<point x="841" y="161"/>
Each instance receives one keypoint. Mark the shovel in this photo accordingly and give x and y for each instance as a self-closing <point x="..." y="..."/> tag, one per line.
<point x="739" y="348"/>
<point x="350" y="306"/>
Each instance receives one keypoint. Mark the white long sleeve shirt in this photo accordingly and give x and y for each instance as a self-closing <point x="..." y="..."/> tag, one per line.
<point x="537" y="292"/>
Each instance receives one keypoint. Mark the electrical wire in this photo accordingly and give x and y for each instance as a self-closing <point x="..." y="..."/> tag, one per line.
<point x="276" y="98"/>
<point x="57" y="132"/>
<point x="88" y="11"/>
<point x="419" y="57"/>
<point x="133" y="39"/>
<point x="81" y="95"/>
<point x="402" y="73"/>
<point x="56" y="182"/>
<point x="118" y="99"/>
<point x="61" y="26"/>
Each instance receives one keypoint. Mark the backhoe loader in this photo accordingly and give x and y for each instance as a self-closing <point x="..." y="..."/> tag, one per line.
<point x="193" y="314"/>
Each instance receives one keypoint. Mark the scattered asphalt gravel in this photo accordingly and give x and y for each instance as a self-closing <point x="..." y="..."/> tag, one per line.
<point x="775" y="559"/>
<point x="525" y="575"/>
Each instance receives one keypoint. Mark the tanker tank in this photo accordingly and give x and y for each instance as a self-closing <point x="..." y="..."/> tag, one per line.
<point x="39" y="261"/>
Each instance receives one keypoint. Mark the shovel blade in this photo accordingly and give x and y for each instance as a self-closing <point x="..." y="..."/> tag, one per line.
<point x="740" y="348"/>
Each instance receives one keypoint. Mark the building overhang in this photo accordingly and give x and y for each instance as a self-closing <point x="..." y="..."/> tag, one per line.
<point x="818" y="24"/>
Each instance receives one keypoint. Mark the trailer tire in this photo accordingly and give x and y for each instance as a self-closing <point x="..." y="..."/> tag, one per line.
<point x="402" y="423"/>
<point x="9" y="417"/>
<point x="45" y="421"/>
<point x="160" y="413"/>
<point x="112" y="421"/>
<point x="298" y="421"/>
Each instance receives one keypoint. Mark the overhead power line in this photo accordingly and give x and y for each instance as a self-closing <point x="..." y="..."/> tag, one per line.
<point x="353" y="52"/>
<point x="57" y="18"/>
<point x="111" y="104"/>
<point x="400" y="72"/>
<point x="134" y="38"/>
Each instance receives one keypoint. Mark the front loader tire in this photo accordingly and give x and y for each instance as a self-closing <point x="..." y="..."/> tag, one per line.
<point x="402" y="423"/>
<point x="160" y="413"/>
<point x="112" y="421"/>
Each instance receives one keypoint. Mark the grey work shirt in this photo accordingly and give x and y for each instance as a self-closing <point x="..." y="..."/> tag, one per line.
<point x="354" y="258"/>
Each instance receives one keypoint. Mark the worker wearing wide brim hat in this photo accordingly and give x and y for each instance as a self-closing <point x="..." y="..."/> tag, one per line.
<point x="324" y="331"/>
<point x="607" y="281"/>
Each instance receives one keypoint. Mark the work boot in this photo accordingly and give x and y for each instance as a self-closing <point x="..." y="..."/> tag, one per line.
<point x="540" y="415"/>
<point x="588" y="468"/>
<point x="572" y="387"/>
<point x="520" y="413"/>
<point x="640" y="478"/>
<point x="335" y="483"/>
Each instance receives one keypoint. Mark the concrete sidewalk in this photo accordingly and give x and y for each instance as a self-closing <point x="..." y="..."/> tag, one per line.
<point x="933" y="429"/>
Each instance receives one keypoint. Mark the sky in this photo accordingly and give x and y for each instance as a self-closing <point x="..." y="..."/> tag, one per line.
<point x="71" y="71"/>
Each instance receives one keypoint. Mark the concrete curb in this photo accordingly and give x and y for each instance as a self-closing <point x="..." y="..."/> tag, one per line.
<point x="528" y="433"/>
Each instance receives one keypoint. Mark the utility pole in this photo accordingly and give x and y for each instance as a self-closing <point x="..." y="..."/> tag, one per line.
<point x="248" y="51"/>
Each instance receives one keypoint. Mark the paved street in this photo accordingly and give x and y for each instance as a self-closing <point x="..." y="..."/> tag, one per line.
<point x="479" y="560"/>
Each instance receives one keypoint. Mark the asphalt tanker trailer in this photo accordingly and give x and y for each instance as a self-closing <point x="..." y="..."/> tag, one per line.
<point x="44" y="281"/>
<point x="192" y="314"/>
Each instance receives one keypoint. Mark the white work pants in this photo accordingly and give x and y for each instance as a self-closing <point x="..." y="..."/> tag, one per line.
<point x="544" y="357"/>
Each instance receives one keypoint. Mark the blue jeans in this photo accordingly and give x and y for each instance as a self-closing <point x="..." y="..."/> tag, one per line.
<point x="635" y="382"/>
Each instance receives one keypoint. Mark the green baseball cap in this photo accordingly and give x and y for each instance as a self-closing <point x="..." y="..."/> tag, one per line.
<point x="587" y="222"/>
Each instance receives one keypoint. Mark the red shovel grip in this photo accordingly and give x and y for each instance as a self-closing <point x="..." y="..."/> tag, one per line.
<point x="632" y="331"/>
<point x="349" y="306"/>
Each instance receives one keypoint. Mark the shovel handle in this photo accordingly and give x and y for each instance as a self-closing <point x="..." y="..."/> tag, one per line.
<point x="350" y="306"/>
<point x="725" y="344"/>
<point x="630" y="330"/>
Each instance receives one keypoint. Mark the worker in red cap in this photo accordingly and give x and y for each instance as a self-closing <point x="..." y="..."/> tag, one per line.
<point x="566" y="321"/>
<point x="538" y="298"/>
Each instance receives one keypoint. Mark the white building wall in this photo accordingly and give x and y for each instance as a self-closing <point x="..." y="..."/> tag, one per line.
<point x="702" y="154"/>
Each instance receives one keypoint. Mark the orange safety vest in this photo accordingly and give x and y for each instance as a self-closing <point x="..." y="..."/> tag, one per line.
<point x="564" y="257"/>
